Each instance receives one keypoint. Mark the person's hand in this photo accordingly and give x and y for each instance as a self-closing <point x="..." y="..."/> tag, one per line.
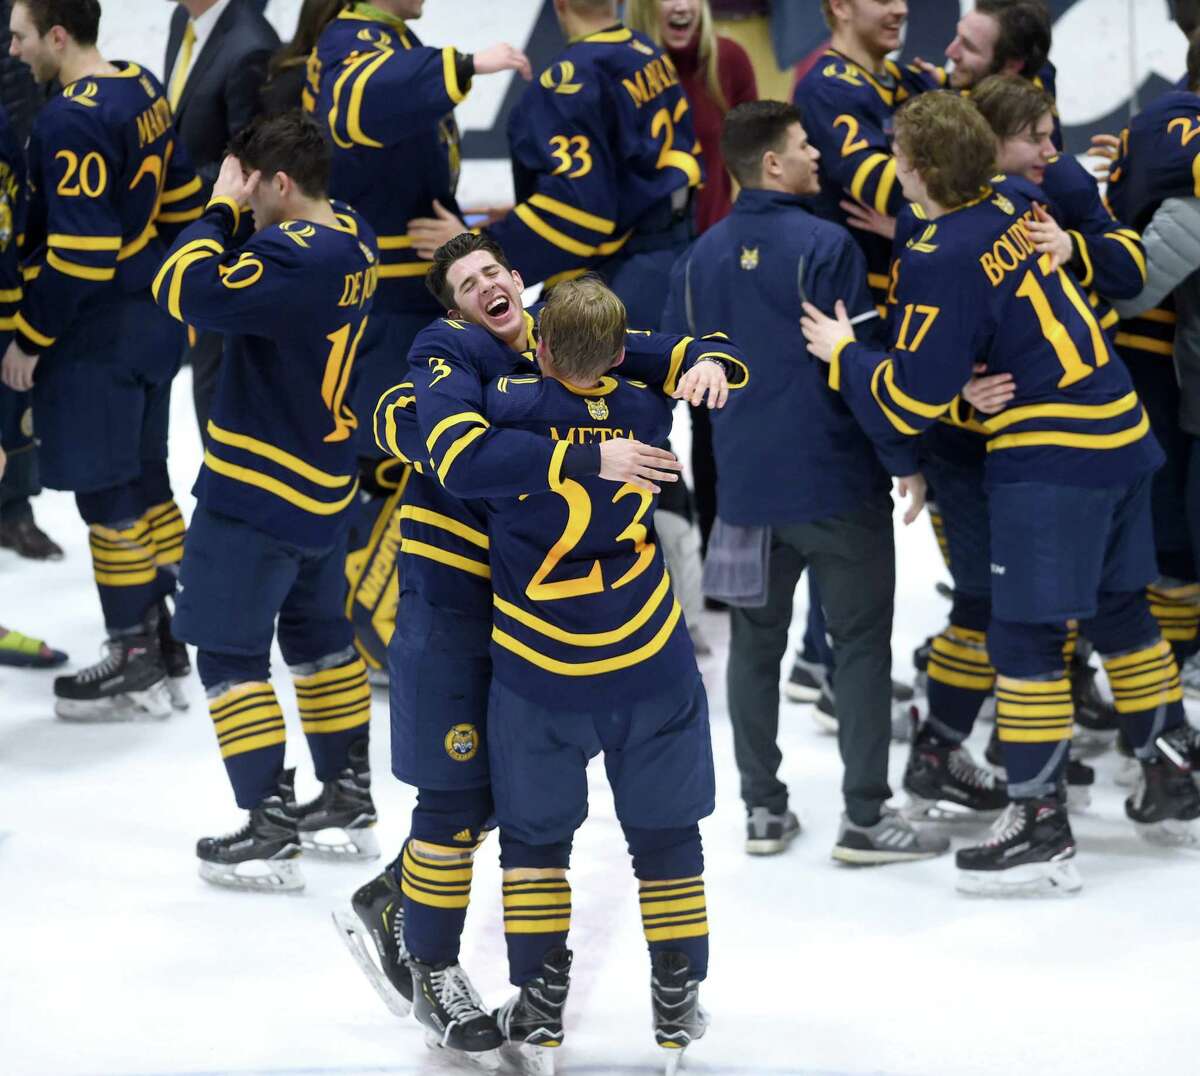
<point x="1104" y="151"/>
<point x="624" y="460"/>
<point x="16" y="371"/>
<point x="866" y="219"/>
<point x="705" y="379"/>
<point x="926" y="67"/>
<point x="429" y="233"/>
<point x="502" y="57"/>
<point x="989" y="393"/>
<point x="822" y="332"/>
<point x="915" y="488"/>
<point x="233" y="183"/>
<point x="1049" y="238"/>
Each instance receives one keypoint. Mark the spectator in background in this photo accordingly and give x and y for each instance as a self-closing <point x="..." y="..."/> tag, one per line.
<point x="20" y="97"/>
<point x="751" y="23"/>
<point x="288" y="70"/>
<point x="216" y="63"/>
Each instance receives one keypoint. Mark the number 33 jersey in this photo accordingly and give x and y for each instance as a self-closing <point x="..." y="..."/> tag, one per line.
<point x="969" y="288"/>
<point x="584" y="615"/>
<point x="292" y="304"/>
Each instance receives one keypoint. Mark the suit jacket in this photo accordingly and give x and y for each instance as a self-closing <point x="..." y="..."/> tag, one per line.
<point x="222" y="91"/>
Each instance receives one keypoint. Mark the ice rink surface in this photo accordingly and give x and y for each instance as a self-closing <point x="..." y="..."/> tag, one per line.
<point x="116" y="958"/>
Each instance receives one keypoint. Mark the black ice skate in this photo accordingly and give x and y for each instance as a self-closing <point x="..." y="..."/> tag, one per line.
<point x="452" y="1013"/>
<point x="264" y="854"/>
<point x="128" y="684"/>
<point x="1095" y="718"/>
<point x="945" y="783"/>
<point x="379" y="915"/>
<point x="531" y="1021"/>
<point x="175" y="659"/>
<point x="679" y="1018"/>
<point x="1029" y="852"/>
<point x="339" y="823"/>
<point x="1166" y="802"/>
<point x="1078" y="777"/>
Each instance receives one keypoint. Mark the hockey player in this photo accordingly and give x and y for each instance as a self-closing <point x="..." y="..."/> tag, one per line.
<point x="1107" y="260"/>
<point x="591" y="655"/>
<point x="387" y="102"/>
<point x="106" y="174"/>
<point x="439" y="657"/>
<point x="605" y="162"/>
<point x="273" y="496"/>
<point x="1068" y="472"/>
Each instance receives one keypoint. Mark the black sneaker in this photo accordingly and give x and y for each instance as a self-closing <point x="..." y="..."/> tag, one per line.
<point x="339" y="823"/>
<point x="447" y="1006"/>
<point x="806" y="680"/>
<point x="679" y="1018"/>
<point x="1029" y="852"/>
<point x="1166" y="801"/>
<point x="264" y="854"/>
<point x="769" y="834"/>
<point x="127" y="684"/>
<point x="531" y="1021"/>
<point x="944" y="782"/>
<point x="825" y="712"/>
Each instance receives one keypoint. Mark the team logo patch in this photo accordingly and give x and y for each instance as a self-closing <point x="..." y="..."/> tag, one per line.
<point x="749" y="258"/>
<point x="462" y="742"/>
<point x="598" y="409"/>
<point x="1004" y="205"/>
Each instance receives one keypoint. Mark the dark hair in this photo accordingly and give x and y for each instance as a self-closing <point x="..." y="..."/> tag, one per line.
<point x="453" y="250"/>
<point x="1011" y="104"/>
<point x="315" y="15"/>
<point x="291" y="143"/>
<point x="80" y="18"/>
<point x="749" y="131"/>
<point x="1186" y="14"/>
<point x="1024" y="33"/>
<point x="949" y="145"/>
<point x="1193" y="62"/>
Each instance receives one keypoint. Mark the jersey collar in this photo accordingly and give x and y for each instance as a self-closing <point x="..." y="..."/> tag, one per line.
<point x="886" y="94"/>
<point x="369" y="11"/>
<point x="614" y="35"/>
<point x="607" y="384"/>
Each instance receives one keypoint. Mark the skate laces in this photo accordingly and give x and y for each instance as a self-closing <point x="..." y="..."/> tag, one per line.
<point x="114" y="653"/>
<point x="456" y="995"/>
<point x="1007" y="826"/>
<point x="966" y="769"/>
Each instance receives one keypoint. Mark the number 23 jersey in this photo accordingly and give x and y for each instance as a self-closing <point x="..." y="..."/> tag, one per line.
<point x="292" y="304"/>
<point x="584" y="615"/>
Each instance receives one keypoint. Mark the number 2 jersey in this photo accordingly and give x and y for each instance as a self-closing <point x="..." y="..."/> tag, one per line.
<point x="970" y="288"/>
<point x="584" y="615"/>
<point x="602" y="142"/>
<point x="292" y="304"/>
<point x="106" y="177"/>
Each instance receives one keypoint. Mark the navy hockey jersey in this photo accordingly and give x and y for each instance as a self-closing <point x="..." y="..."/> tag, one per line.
<point x="435" y="419"/>
<point x="600" y="140"/>
<point x="848" y="114"/>
<point x="387" y="102"/>
<point x="584" y="615"/>
<point x="292" y="304"/>
<point x="1159" y="158"/>
<point x="970" y="288"/>
<point x="106" y="176"/>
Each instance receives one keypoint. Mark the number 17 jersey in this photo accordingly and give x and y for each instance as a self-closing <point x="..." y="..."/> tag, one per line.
<point x="584" y="616"/>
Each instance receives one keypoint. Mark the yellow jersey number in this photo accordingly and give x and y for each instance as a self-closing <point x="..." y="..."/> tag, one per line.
<point x="337" y="379"/>
<point x="573" y="154"/>
<point x="1075" y="367"/>
<point x="579" y="517"/>
<point x="86" y="176"/>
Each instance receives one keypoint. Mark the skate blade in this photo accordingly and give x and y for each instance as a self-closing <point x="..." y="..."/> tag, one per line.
<point x="1170" y="833"/>
<point x="922" y="810"/>
<point x="153" y="704"/>
<point x="1055" y="879"/>
<point x="176" y="688"/>
<point x="532" y="1060"/>
<point x="336" y="845"/>
<point x="255" y="875"/>
<point x="487" y="1060"/>
<point x="1128" y="772"/>
<point x="350" y="930"/>
<point x="799" y="693"/>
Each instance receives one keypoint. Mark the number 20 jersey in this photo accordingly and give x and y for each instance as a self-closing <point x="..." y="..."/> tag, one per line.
<point x="584" y="615"/>
<point x="970" y="288"/>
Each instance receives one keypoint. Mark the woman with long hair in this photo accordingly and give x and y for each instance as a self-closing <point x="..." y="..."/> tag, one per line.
<point x="716" y="74"/>
<point x="287" y="74"/>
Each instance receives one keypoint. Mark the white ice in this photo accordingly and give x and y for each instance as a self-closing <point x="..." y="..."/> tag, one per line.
<point x="117" y="958"/>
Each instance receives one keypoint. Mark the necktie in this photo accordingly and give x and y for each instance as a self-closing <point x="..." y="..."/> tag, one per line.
<point x="183" y="64"/>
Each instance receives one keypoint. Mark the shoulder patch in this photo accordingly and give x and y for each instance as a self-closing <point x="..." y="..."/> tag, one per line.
<point x="749" y="258"/>
<point x="82" y="93"/>
<point x="561" y="79"/>
<point x="1004" y="205"/>
<point x="924" y="242"/>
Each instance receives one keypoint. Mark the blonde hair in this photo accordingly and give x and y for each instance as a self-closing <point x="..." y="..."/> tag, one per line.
<point x="949" y="145"/>
<point x="643" y="15"/>
<point x="583" y="328"/>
